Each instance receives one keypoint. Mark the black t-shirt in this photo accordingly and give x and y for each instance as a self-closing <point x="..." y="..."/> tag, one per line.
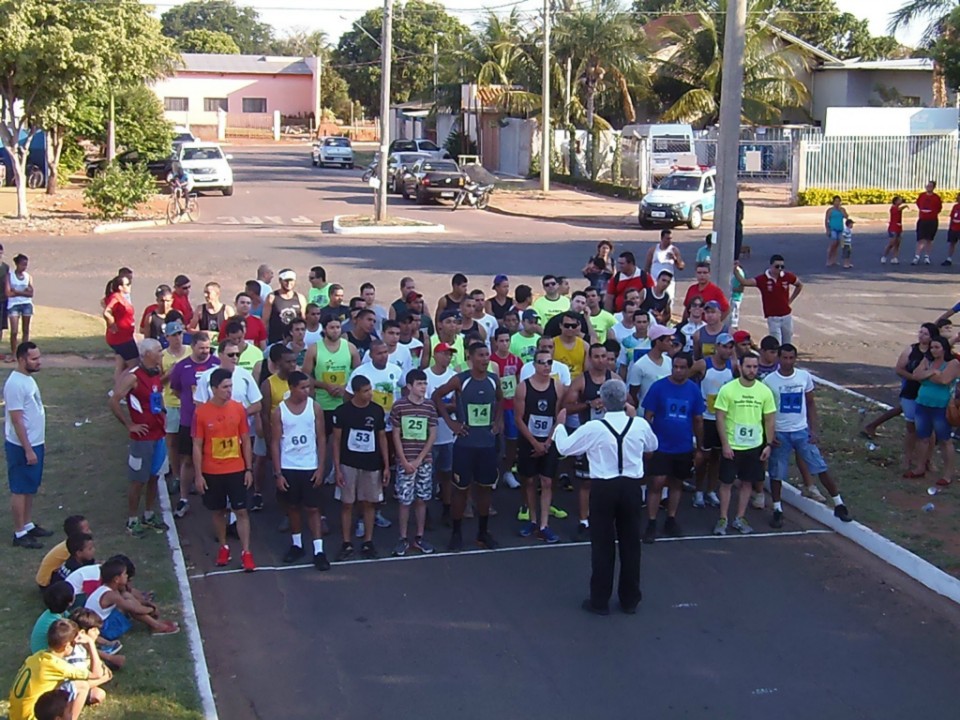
<point x="553" y="328"/>
<point x="359" y="441"/>
<point x="362" y="346"/>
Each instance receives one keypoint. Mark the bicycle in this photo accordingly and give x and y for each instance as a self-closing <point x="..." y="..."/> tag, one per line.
<point x="181" y="204"/>
<point x="34" y="177"/>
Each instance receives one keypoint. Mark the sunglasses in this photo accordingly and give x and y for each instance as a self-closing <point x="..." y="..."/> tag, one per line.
<point x="232" y="355"/>
<point x="570" y="327"/>
<point x="543" y="362"/>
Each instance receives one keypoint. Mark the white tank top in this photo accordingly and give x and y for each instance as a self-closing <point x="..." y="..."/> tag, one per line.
<point x="662" y="260"/>
<point x="710" y="386"/>
<point x="93" y="602"/>
<point x="19" y="285"/>
<point x="298" y="442"/>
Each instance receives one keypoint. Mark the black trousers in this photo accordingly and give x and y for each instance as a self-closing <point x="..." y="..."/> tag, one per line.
<point x="615" y="518"/>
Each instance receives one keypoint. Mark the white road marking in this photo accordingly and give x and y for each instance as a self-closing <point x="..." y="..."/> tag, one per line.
<point x="301" y="220"/>
<point x="251" y="220"/>
<point x="227" y="220"/>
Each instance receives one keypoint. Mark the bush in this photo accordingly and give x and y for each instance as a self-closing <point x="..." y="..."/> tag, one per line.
<point x="866" y="196"/>
<point x="116" y="191"/>
<point x="599" y="187"/>
<point x="456" y="145"/>
<point x="72" y="160"/>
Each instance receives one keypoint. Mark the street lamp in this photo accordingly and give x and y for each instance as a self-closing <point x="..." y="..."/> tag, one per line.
<point x="380" y="206"/>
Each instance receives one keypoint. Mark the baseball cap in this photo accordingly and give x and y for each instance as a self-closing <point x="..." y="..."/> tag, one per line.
<point x="287" y="274"/>
<point x="741" y="336"/>
<point x="712" y="304"/>
<point x="665" y="271"/>
<point x="181" y="280"/>
<point x="725" y="339"/>
<point x="450" y="314"/>
<point x="412" y="295"/>
<point x="443" y="347"/>
<point x="172" y="328"/>
<point x="499" y="279"/>
<point x="658" y="331"/>
<point x="530" y="316"/>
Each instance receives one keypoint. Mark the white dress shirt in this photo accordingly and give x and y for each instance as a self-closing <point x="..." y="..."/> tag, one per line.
<point x="600" y="445"/>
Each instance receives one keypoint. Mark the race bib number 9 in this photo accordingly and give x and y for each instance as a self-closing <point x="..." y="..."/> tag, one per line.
<point x="334" y="378"/>
<point x="225" y="448"/>
<point x="508" y="385"/>
<point x="748" y="435"/>
<point x="361" y="441"/>
<point x="478" y="415"/>
<point x="413" y="428"/>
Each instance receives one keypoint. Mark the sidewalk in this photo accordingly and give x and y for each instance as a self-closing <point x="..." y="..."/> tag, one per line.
<point x="569" y="205"/>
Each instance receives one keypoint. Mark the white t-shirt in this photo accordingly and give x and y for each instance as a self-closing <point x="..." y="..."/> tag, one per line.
<point x="402" y="358"/>
<point x="312" y="337"/>
<point x="387" y="384"/>
<point x="645" y="372"/>
<point x="789" y="393"/>
<point x="21" y="392"/>
<point x="558" y="371"/>
<point x="688" y="330"/>
<point x="620" y="332"/>
<point x="434" y="381"/>
<point x="490" y="325"/>
<point x="245" y="390"/>
<point x="85" y="579"/>
<point x="265" y="290"/>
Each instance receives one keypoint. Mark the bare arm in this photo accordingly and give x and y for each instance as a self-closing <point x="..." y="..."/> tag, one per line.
<point x="124" y="385"/>
<point x="743" y="279"/>
<point x="797" y="287"/>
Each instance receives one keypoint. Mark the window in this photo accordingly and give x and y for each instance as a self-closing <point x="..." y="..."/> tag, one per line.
<point x="428" y="146"/>
<point x="202" y="153"/>
<point x="176" y="104"/>
<point x="708" y="185"/>
<point x="254" y="105"/>
<point x="214" y="104"/>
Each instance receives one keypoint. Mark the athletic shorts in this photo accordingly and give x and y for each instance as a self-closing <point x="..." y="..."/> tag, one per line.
<point x="146" y="458"/>
<point x="172" y="421"/>
<point x="361" y="485"/>
<point x="26" y="310"/>
<point x="510" y="431"/>
<point x="909" y="407"/>
<point x="711" y="438"/>
<point x="128" y="350"/>
<point x="443" y="457"/>
<point x="416" y="486"/>
<point x="893" y="233"/>
<point x="746" y="465"/>
<point x="300" y="492"/>
<point x="184" y="440"/>
<point x="927" y="229"/>
<point x="581" y="468"/>
<point x="953" y="236"/>
<point x="529" y="465"/>
<point x="221" y="488"/>
<point x="23" y="479"/>
<point x="259" y="446"/>
<point x="115" y="625"/>
<point x="798" y="441"/>
<point x="474" y="465"/>
<point x="678" y="466"/>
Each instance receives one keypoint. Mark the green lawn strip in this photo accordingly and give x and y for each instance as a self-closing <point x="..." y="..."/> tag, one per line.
<point x="86" y="473"/>
<point x="873" y="489"/>
<point x="60" y="330"/>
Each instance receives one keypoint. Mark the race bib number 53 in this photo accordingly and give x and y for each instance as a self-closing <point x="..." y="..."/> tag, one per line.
<point x="361" y="441"/>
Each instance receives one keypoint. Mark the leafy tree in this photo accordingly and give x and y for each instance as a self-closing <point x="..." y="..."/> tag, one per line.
<point x="935" y="12"/>
<point x="946" y="50"/>
<point x="241" y="23"/>
<point x="416" y="25"/>
<point x="300" y="42"/>
<point x="502" y="52"/>
<point x="141" y="124"/>
<point x="335" y="93"/>
<point x="206" y="41"/>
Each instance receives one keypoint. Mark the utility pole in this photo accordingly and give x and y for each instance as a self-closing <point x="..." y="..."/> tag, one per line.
<point x="545" y="131"/>
<point x="436" y="65"/>
<point x="728" y="143"/>
<point x="386" y="37"/>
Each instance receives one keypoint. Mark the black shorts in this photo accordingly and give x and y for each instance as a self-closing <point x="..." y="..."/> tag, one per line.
<point x="328" y="422"/>
<point x="529" y="465"/>
<point x="678" y="466"/>
<point x="301" y="491"/>
<point x="711" y="438"/>
<point x="746" y="465"/>
<point x="128" y="350"/>
<point x="220" y="488"/>
<point x="927" y="229"/>
<point x="581" y="468"/>
<point x="953" y="236"/>
<point x="185" y="441"/>
<point x="473" y="464"/>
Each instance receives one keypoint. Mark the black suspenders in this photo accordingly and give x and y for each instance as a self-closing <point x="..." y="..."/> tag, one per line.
<point x="619" y="438"/>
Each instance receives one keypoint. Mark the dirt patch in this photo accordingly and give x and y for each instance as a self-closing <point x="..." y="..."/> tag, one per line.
<point x="65" y="213"/>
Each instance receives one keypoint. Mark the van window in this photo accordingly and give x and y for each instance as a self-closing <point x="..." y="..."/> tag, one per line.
<point x="671" y="144"/>
<point x="708" y="185"/>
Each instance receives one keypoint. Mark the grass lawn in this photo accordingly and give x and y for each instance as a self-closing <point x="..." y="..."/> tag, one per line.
<point x="59" y="330"/>
<point x="370" y="221"/>
<point x="85" y="474"/>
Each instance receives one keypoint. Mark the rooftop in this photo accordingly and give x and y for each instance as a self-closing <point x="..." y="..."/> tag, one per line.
<point x="915" y="64"/>
<point x="244" y="64"/>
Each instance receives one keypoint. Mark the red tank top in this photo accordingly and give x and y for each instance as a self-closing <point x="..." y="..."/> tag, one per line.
<point x="145" y="401"/>
<point x="509" y="371"/>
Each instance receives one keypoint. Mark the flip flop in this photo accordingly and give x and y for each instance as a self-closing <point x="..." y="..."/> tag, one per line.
<point x="868" y="436"/>
<point x="944" y="482"/>
<point x="912" y="475"/>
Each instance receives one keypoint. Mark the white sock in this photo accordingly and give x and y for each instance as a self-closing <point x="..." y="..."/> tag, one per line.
<point x="664" y="493"/>
<point x="148" y="514"/>
<point x="698" y="496"/>
<point x="585" y="523"/>
<point x="837" y="500"/>
<point x="643" y="492"/>
<point x="317" y="547"/>
<point x="778" y="506"/>
<point x="297" y="539"/>
<point x="21" y="533"/>
<point x="29" y="526"/>
<point x="131" y="520"/>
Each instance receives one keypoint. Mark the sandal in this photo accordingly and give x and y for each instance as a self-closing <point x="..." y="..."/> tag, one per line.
<point x="912" y="475"/>
<point x="944" y="482"/>
<point x="868" y="436"/>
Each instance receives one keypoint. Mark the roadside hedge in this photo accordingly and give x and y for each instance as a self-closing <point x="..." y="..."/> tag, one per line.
<point x="596" y="186"/>
<point x="866" y="196"/>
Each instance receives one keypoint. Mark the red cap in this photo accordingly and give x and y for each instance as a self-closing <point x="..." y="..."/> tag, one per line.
<point x="741" y="336"/>
<point x="443" y="347"/>
<point x="412" y="295"/>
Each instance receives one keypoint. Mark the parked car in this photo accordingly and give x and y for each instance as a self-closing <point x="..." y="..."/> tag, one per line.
<point x="400" y="163"/>
<point x="431" y="179"/>
<point x="208" y="166"/>
<point x="332" y="151"/>
<point x="158" y="167"/>
<point x="420" y="145"/>
<point x="684" y="196"/>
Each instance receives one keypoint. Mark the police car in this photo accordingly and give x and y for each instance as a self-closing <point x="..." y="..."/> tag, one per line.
<point x="684" y="196"/>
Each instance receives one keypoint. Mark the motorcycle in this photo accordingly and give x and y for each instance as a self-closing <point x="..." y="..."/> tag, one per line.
<point x="475" y="195"/>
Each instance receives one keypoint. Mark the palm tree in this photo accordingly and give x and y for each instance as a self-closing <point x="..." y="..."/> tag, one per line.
<point x="936" y="11"/>
<point x="605" y="44"/>
<point x="691" y="70"/>
<point x="502" y="55"/>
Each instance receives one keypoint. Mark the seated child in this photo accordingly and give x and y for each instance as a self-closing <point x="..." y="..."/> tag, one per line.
<point x="82" y="552"/>
<point x="90" y="623"/>
<point x="117" y="605"/>
<point x="58" y="597"/>
<point x="58" y="554"/>
<point x="52" y="705"/>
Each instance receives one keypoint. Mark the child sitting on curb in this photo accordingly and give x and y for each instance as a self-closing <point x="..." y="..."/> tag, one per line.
<point x="117" y="606"/>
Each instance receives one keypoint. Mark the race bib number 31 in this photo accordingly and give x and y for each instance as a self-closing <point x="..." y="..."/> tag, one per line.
<point x="508" y="385"/>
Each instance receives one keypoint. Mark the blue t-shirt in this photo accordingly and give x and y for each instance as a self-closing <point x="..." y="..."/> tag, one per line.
<point x="674" y="407"/>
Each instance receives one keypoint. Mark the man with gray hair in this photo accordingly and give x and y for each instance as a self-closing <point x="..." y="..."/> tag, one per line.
<point x="615" y="446"/>
<point x="145" y="420"/>
<point x="264" y="278"/>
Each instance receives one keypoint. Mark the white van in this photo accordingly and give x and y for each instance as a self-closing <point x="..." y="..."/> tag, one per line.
<point x="669" y="145"/>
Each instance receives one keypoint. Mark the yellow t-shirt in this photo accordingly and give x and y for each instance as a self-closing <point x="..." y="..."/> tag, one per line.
<point x="167" y="361"/>
<point x="57" y="556"/>
<point x="41" y="672"/>
<point x="573" y="358"/>
<point x="745" y="408"/>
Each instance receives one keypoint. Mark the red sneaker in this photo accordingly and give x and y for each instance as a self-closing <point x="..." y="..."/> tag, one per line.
<point x="223" y="556"/>
<point x="246" y="559"/>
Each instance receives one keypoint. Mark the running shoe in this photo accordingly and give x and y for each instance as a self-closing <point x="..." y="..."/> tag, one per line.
<point x="246" y="559"/>
<point x="812" y="492"/>
<point x="895" y="261"/>
<point x="110" y="648"/>
<point x="758" y="501"/>
<point x="698" y="501"/>
<point x="558" y="513"/>
<point x="135" y="528"/>
<point x="320" y="561"/>
<point x="346" y="552"/>
<point x="182" y="506"/>
<point x="777" y="521"/>
<point x="672" y="527"/>
<point x="361" y="529"/>
<point x="400" y="549"/>
<point x="926" y="259"/>
<point x="293" y="554"/>
<point x="650" y="534"/>
<point x="368" y="551"/>
<point x="742" y="526"/>
<point x="223" y="556"/>
<point x="456" y="542"/>
<point x="511" y="480"/>
<point x="423" y="546"/>
<point x="486" y="540"/>
<point x="154" y="523"/>
<point x="721" y="527"/>
<point x="583" y="532"/>
<point x="166" y="628"/>
<point x="256" y="505"/>
<point x="712" y="499"/>
<point x="523" y="514"/>
<point x="548" y="536"/>
<point x="528" y="529"/>
<point x="566" y="483"/>
<point x="27" y="541"/>
<point x="380" y="521"/>
<point x="946" y="263"/>
<point x="841" y="512"/>
<point x="39" y="532"/>
<point x="883" y="259"/>
<point x="916" y="260"/>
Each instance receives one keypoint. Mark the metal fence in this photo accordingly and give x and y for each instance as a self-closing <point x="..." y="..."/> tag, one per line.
<point x="888" y="163"/>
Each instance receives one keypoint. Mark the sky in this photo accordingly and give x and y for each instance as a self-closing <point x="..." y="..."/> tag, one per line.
<point x="335" y="16"/>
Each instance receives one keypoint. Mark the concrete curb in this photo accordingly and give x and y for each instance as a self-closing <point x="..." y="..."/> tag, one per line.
<point x="115" y="227"/>
<point x="200" y="670"/>
<point x="916" y="567"/>
<point x="386" y="229"/>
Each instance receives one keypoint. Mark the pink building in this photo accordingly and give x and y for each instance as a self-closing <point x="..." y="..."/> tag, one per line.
<point x="249" y="89"/>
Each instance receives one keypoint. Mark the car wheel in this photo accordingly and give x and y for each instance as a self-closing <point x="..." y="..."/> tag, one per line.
<point x="421" y="197"/>
<point x="696" y="218"/>
<point x="644" y="223"/>
<point x="314" y="162"/>
<point x="228" y="191"/>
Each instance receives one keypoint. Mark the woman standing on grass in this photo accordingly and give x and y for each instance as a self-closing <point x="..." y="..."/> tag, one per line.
<point x="119" y="315"/>
<point x="937" y="376"/>
<point x="19" y="302"/>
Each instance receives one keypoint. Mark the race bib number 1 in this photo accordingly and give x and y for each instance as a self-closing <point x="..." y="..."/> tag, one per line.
<point x="478" y="415"/>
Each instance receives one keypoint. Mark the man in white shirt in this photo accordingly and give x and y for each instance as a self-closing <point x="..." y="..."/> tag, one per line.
<point x="264" y="278"/>
<point x="653" y="366"/>
<point x="399" y="354"/>
<point x="488" y="322"/>
<point x="24" y="432"/>
<point x="615" y="446"/>
<point x="437" y="376"/>
<point x="245" y="390"/>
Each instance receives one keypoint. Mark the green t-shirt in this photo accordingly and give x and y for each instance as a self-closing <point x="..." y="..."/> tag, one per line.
<point x="602" y="322"/>
<point x="524" y="347"/>
<point x="319" y="297"/>
<point x="745" y="408"/>
<point x="459" y="360"/>
<point x="547" y="308"/>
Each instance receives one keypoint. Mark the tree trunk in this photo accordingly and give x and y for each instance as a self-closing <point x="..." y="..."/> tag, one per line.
<point x="55" y="138"/>
<point x="20" y="178"/>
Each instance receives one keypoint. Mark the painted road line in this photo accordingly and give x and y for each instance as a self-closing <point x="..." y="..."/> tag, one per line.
<point x="517" y="548"/>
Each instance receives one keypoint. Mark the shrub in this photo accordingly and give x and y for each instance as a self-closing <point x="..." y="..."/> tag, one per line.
<point x="599" y="187"/>
<point x="456" y="145"/>
<point x="71" y="160"/>
<point x="866" y="196"/>
<point x="116" y="191"/>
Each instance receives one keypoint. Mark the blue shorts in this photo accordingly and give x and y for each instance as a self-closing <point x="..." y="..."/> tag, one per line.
<point x="510" y="431"/>
<point x="909" y="407"/>
<point x="23" y="479"/>
<point x="474" y="464"/>
<point x="116" y="624"/>
<point x="835" y="234"/>
<point x="146" y="458"/>
<point x="26" y="310"/>
<point x="798" y="441"/>
<point x="443" y="457"/>
<point x="932" y="421"/>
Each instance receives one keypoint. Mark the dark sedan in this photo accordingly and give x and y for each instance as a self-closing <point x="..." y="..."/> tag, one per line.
<point x="431" y="179"/>
<point x="157" y="167"/>
<point x="399" y="164"/>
